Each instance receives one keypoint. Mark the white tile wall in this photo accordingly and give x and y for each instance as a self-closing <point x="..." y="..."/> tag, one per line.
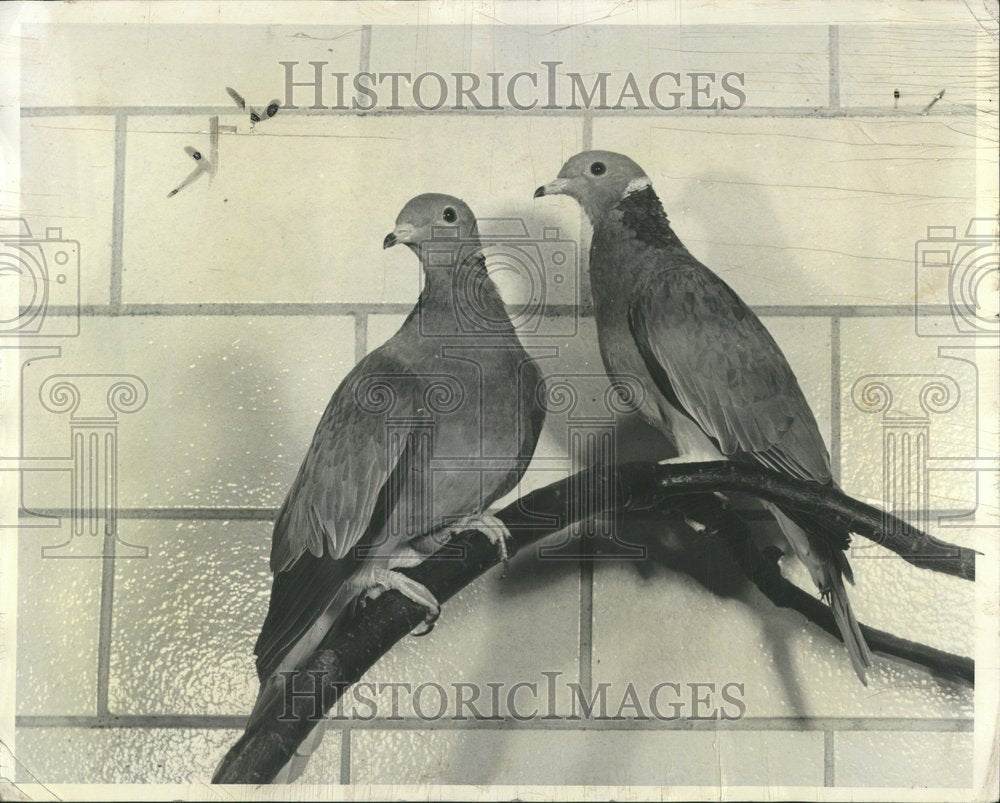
<point x="812" y="218"/>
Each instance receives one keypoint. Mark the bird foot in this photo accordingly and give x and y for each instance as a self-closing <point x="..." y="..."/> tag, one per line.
<point x="386" y="579"/>
<point x="490" y="526"/>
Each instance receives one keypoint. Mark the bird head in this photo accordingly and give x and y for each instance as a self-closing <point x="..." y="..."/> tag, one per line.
<point x="597" y="180"/>
<point x="432" y="218"/>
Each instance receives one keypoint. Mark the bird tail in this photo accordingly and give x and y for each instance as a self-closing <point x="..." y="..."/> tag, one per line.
<point x="271" y="688"/>
<point x="850" y="630"/>
<point x="297" y="764"/>
<point x="828" y="566"/>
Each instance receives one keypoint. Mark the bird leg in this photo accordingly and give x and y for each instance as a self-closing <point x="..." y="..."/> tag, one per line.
<point x="418" y="549"/>
<point x="383" y="579"/>
<point x="490" y="526"/>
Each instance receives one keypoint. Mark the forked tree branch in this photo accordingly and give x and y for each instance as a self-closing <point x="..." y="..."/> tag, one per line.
<point x="347" y="652"/>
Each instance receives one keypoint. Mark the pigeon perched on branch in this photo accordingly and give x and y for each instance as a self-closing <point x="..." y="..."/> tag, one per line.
<point x="711" y="372"/>
<point x="420" y="438"/>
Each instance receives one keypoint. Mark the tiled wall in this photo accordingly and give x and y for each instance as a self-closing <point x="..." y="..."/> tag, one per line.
<point x="242" y="301"/>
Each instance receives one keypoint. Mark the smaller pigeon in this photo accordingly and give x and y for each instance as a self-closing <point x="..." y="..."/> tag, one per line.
<point x="712" y="374"/>
<point x="421" y="437"/>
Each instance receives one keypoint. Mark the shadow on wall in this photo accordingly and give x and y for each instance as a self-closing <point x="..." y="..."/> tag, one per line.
<point x="725" y="221"/>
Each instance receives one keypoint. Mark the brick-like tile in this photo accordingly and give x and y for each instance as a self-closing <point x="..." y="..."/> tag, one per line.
<point x="120" y="755"/>
<point x="903" y="760"/>
<point x="186" y="619"/>
<point x="604" y="758"/>
<point x="884" y="364"/>
<point x="780" y="69"/>
<point x="297" y="212"/>
<point x="187" y="616"/>
<point x="917" y="60"/>
<point x="734" y="634"/>
<point x="500" y="630"/>
<point x="57" y="626"/>
<point x="233" y="404"/>
<point x="798" y="211"/>
<point x="67" y="181"/>
<point x="886" y="354"/>
<point x="173" y="65"/>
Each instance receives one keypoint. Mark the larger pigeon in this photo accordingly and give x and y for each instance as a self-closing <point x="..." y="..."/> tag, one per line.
<point x="416" y="443"/>
<point x="711" y="372"/>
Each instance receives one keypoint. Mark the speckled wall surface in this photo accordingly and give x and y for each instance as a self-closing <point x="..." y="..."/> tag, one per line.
<point x="242" y="302"/>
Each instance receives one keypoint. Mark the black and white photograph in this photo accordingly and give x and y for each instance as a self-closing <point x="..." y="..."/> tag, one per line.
<point x="556" y="400"/>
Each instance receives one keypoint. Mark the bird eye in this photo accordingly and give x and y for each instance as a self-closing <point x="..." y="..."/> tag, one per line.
<point x="449" y="215"/>
<point x="598" y="169"/>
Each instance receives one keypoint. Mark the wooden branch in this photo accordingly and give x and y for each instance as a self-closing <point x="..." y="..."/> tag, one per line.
<point x="761" y="567"/>
<point x="347" y="652"/>
<point x="896" y="535"/>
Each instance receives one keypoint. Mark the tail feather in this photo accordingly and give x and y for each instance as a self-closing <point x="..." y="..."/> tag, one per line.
<point x="821" y="552"/>
<point x="297" y="763"/>
<point x="844" y="565"/>
<point x="850" y="630"/>
<point x="344" y="600"/>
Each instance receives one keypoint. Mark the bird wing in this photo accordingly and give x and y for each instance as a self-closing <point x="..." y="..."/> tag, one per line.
<point x="358" y="443"/>
<point x="354" y="469"/>
<point x="714" y="360"/>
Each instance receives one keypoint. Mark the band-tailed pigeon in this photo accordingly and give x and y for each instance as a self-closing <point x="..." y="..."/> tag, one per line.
<point x="711" y="372"/>
<point x="420" y="438"/>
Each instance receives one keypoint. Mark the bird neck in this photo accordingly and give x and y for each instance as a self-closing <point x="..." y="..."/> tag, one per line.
<point x="642" y="213"/>
<point x="459" y="295"/>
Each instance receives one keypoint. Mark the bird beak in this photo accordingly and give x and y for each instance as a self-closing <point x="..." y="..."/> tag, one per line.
<point x="400" y="234"/>
<point x="554" y="187"/>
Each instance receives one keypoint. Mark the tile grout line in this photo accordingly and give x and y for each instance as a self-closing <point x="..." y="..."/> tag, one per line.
<point x="845" y="724"/>
<point x="833" y="98"/>
<point x="118" y="212"/>
<point x="335" y="308"/>
<point x="586" y="640"/>
<point x="360" y="336"/>
<point x="835" y="393"/>
<point x="828" y="758"/>
<point x="360" y="351"/>
<point x="267" y="514"/>
<point x="586" y="645"/>
<point x="762" y="112"/>
<point x="345" y="756"/>
<point x="104" y="628"/>
<point x="364" y="58"/>
<point x="365" y="51"/>
<point x="588" y="131"/>
<point x="106" y="612"/>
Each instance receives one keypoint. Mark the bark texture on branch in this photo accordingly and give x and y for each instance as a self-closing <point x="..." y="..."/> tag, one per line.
<point x="346" y="653"/>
